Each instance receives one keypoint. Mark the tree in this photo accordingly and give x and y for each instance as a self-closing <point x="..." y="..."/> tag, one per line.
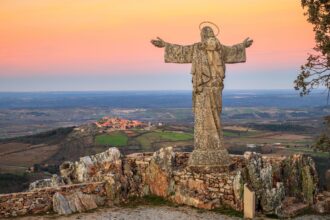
<point x="316" y="71"/>
<point x="323" y="141"/>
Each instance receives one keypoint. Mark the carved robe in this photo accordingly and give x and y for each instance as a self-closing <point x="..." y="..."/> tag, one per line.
<point x="208" y="73"/>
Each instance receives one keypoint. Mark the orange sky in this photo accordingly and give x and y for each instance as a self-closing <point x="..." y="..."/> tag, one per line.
<point x="47" y="37"/>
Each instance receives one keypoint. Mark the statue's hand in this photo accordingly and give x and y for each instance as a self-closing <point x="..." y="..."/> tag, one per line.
<point x="158" y="43"/>
<point x="247" y="42"/>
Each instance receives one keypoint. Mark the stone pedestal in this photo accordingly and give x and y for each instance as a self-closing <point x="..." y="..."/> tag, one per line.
<point x="207" y="169"/>
<point x="219" y="157"/>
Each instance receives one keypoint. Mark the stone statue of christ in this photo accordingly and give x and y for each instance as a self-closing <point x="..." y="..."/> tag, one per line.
<point x="209" y="58"/>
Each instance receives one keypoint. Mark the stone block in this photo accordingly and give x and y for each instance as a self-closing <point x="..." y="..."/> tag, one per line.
<point x="249" y="203"/>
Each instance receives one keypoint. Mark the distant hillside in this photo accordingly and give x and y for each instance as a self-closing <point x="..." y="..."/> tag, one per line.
<point x="157" y="99"/>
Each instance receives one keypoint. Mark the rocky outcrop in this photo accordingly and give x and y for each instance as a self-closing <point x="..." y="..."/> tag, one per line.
<point x="75" y="202"/>
<point x="40" y="200"/>
<point x="259" y="175"/>
<point x="275" y="178"/>
<point x="165" y="173"/>
<point x="92" y="168"/>
<point x="300" y="177"/>
<point x="54" y="181"/>
<point x="322" y="204"/>
<point x="99" y="167"/>
<point x="160" y="172"/>
<point x="327" y="179"/>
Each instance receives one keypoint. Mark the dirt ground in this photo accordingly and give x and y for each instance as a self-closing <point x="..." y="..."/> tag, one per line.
<point x="152" y="213"/>
<point x="20" y="155"/>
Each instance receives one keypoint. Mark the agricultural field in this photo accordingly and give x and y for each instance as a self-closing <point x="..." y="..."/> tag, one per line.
<point x="115" y="139"/>
<point x="142" y="140"/>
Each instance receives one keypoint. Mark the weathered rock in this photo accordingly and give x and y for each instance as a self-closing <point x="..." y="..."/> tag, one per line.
<point x="272" y="198"/>
<point x="92" y="168"/>
<point x="327" y="180"/>
<point x="165" y="159"/>
<point x="300" y="177"/>
<point x="322" y="205"/>
<point x="113" y="190"/>
<point x="159" y="172"/>
<point x="54" y="181"/>
<point x="183" y="197"/>
<point x="291" y="207"/>
<point x="74" y="202"/>
<point x="260" y="179"/>
<point x="238" y="188"/>
<point x="61" y="205"/>
<point x="253" y="167"/>
<point x="67" y="171"/>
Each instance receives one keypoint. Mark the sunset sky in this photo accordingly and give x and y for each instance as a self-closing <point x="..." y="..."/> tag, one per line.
<point x="70" y="45"/>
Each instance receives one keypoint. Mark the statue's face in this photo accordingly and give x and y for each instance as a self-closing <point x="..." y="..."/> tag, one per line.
<point x="206" y="33"/>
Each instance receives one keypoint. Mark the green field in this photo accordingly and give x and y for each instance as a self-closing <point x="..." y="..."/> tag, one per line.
<point x="116" y="139"/>
<point x="309" y="151"/>
<point x="175" y="136"/>
<point x="230" y="134"/>
<point x="146" y="140"/>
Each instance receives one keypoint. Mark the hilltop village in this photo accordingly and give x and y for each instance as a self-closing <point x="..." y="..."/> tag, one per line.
<point x="118" y="123"/>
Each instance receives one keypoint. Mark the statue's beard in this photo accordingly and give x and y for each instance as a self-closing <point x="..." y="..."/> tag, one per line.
<point x="206" y="43"/>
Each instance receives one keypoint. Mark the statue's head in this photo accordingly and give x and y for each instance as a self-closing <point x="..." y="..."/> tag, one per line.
<point x="206" y="33"/>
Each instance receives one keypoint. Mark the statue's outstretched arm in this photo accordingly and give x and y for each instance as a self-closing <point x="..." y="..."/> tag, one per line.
<point x="236" y="53"/>
<point x="248" y="42"/>
<point x="174" y="53"/>
<point x="159" y="42"/>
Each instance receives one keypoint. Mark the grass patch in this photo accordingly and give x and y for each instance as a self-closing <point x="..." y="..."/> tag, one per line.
<point x="116" y="139"/>
<point x="309" y="151"/>
<point x="228" y="211"/>
<point x="175" y="136"/>
<point x="150" y="200"/>
<point x="146" y="140"/>
<point x="230" y="134"/>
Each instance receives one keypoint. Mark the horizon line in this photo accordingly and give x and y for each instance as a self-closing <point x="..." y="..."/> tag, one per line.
<point x="153" y="90"/>
<point x="140" y="90"/>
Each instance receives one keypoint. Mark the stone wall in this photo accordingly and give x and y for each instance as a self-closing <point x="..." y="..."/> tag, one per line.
<point x="41" y="200"/>
<point x="110" y="178"/>
<point x="165" y="174"/>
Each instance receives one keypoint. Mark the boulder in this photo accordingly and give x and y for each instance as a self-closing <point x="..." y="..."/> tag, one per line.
<point x="92" y="168"/>
<point x="61" y="205"/>
<point x="113" y="190"/>
<point x="272" y="198"/>
<point x="238" y="188"/>
<point x="300" y="177"/>
<point x="160" y="172"/>
<point x="75" y="202"/>
<point x="259" y="177"/>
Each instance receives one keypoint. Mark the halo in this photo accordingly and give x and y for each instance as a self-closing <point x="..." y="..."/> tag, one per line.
<point x="209" y="22"/>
